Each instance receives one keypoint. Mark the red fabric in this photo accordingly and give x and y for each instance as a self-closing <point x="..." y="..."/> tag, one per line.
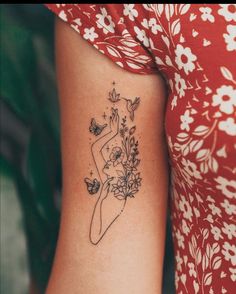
<point x="194" y="47"/>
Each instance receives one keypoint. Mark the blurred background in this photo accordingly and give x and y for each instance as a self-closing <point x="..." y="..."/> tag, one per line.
<point x="30" y="167"/>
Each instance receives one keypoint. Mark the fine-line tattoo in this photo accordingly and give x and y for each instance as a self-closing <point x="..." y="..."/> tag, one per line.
<point x="115" y="155"/>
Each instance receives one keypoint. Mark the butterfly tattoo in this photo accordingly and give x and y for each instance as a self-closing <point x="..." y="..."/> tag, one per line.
<point x="96" y="128"/>
<point x="92" y="185"/>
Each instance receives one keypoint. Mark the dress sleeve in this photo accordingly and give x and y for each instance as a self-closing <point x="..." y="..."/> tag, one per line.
<point x="111" y="29"/>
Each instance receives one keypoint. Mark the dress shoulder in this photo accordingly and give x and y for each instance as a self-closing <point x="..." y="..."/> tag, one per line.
<point x="114" y="30"/>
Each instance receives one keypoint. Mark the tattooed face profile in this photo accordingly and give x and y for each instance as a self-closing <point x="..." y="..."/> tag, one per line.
<point x="116" y="160"/>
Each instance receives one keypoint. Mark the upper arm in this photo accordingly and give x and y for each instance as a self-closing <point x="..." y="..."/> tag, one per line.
<point x="130" y="253"/>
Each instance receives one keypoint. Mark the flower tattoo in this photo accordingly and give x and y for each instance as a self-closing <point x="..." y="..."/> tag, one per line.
<point x="116" y="155"/>
<point x="113" y="96"/>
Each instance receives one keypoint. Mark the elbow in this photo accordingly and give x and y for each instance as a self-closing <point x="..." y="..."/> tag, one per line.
<point x="94" y="235"/>
<point x="94" y="238"/>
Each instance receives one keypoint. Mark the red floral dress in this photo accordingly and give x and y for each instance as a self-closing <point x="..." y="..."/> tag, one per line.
<point x="194" y="47"/>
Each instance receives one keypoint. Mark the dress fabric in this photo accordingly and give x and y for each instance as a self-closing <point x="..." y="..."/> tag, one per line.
<point x="194" y="47"/>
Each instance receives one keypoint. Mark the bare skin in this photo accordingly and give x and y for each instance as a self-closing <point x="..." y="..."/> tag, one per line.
<point x="107" y="208"/>
<point x="129" y="257"/>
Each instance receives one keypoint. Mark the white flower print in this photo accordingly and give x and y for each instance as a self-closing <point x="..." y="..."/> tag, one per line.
<point x="229" y="208"/>
<point x="230" y="38"/>
<point x="177" y="281"/>
<point x="152" y="44"/>
<point x="199" y="198"/>
<point x="105" y="22"/>
<point x="157" y="59"/>
<point x="185" y="227"/>
<point x="196" y="212"/>
<point x="170" y="145"/>
<point x="145" y="23"/>
<point x="89" y="34"/>
<point x="233" y="272"/>
<point x="141" y="36"/>
<point x="229" y="126"/>
<point x="130" y="11"/>
<point x="78" y="21"/>
<point x="225" y="97"/>
<point x="185" y="208"/>
<point x="196" y="286"/>
<point x="180" y="85"/>
<point x="229" y="230"/>
<point x="228" y="11"/>
<point x="147" y="7"/>
<point x="183" y="277"/>
<point x="191" y="169"/>
<point x="63" y="15"/>
<point x="179" y="261"/>
<point x="187" y="178"/>
<point x="227" y="187"/>
<point x="229" y="252"/>
<point x="206" y="14"/>
<point x="76" y="28"/>
<point x="174" y="102"/>
<point x="192" y="271"/>
<point x="60" y="5"/>
<point x="186" y="119"/>
<point x="214" y="209"/>
<point x="209" y="218"/>
<point x="154" y="26"/>
<point x="185" y="59"/>
<point x="216" y="232"/>
<point x="170" y="83"/>
<point x="180" y="239"/>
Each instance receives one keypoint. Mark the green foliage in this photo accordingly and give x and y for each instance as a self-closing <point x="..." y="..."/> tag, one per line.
<point x="28" y="90"/>
<point x="18" y="69"/>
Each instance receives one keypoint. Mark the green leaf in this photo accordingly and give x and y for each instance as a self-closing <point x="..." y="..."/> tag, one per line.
<point x="34" y="223"/>
<point x="41" y="239"/>
<point x="18" y="70"/>
<point x="5" y="168"/>
<point x="27" y="86"/>
<point x="41" y="172"/>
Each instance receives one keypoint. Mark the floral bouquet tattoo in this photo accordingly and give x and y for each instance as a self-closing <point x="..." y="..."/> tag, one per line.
<point x="129" y="179"/>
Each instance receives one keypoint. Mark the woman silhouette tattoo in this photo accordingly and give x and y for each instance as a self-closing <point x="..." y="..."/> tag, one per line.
<point x="118" y="174"/>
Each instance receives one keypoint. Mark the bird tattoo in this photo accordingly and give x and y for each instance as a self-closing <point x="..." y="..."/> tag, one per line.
<point x="132" y="106"/>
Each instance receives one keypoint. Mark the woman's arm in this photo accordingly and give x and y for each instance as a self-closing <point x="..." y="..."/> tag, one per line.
<point x="100" y="144"/>
<point x="129" y="258"/>
<point x="106" y="211"/>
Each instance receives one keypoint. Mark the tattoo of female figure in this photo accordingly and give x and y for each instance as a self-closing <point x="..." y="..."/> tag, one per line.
<point x="115" y="155"/>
